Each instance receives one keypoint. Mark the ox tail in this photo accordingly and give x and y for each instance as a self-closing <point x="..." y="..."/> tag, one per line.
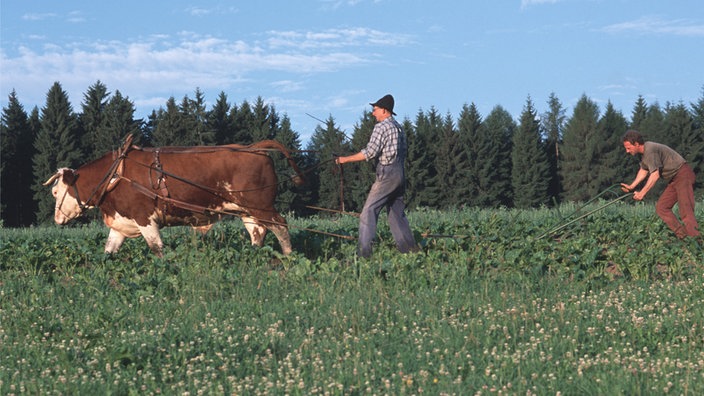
<point x="298" y="179"/>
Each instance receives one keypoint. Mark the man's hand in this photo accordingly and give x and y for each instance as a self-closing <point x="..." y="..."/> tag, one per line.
<point x="626" y="188"/>
<point x="639" y="195"/>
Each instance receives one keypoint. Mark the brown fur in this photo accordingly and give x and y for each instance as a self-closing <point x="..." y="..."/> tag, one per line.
<point x="196" y="183"/>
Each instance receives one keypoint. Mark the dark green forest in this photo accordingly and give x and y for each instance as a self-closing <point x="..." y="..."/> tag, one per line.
<point x="529" y="160"/>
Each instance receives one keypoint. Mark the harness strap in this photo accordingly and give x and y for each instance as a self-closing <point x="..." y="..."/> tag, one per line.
<point x="205" y="210"/>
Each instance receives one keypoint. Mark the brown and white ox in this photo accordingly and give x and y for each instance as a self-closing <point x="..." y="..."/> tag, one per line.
<point x="140" y="190"/>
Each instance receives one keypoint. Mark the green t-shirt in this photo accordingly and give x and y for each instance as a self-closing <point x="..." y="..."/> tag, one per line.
<point x="658" y="157"/>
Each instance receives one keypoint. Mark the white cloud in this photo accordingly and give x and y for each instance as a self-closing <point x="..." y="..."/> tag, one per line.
<point x="161" y="66"/>
<point x="202" y="11"/>
<point x="336" y="38"/>
<point x="39" y="16"/>
<point x="527" y="3"/>
<point x="656" y="25"/>
<point x="75" y="17"/>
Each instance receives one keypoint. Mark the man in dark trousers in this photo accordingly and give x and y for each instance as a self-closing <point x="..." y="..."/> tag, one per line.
<point x="660" y="161"/>
<point x="388" y="145"/>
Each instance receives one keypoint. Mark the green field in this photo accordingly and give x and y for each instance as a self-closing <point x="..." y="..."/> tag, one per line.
<point x="610" y="305"/>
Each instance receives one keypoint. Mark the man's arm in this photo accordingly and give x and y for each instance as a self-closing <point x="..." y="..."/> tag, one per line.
<point x="640" y="176"/>
<point x="351" y="158"/>
<point x="652" y="179"/>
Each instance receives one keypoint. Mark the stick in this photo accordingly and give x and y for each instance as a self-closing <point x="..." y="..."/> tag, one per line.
<point x="584" y="215"/>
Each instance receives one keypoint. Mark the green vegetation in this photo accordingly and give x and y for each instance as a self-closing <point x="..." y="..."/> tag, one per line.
<point x="498" y="159"/>
<point x="609" y="306"/>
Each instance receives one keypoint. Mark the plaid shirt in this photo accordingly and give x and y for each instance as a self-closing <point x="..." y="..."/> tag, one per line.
<point x="387" y="142"/>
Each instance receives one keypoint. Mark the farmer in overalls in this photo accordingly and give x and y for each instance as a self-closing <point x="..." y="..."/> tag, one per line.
<point x="388" y="145"/>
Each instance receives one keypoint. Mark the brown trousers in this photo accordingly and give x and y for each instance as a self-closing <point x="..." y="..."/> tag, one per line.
<point x="680" y="191"/>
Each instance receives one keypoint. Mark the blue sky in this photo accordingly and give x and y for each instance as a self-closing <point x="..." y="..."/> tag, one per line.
<point x="332" y="57"/>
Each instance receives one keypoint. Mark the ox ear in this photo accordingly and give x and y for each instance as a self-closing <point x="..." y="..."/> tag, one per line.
<point x="70" y="176"/>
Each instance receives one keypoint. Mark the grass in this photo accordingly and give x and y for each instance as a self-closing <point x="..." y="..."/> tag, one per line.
<point x="493" y="310"/>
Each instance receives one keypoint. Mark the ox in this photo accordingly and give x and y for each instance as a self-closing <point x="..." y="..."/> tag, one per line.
<point x="139" y="190"/>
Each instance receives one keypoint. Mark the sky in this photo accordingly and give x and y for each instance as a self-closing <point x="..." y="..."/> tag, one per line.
<point x="316" y="59"/>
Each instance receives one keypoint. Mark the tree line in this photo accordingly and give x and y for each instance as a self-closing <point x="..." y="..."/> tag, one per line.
<point x="491" y="161"/>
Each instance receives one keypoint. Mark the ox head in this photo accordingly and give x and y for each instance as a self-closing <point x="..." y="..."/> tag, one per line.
<point x="67" y="206"/>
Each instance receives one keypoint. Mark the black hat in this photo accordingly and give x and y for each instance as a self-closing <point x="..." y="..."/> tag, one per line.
<point x="387" y="102"/>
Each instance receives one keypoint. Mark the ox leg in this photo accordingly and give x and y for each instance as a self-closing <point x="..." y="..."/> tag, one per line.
<point x="153" y="239"/>
<point x="279" y="227"/>
<point x="256" y="231"/>
<point x="115" y="239"/>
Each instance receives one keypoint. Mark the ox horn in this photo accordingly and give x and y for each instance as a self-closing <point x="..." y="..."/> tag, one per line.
<point x="52" y="179"/>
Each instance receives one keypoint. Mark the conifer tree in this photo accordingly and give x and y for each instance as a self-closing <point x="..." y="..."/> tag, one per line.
<point x="325" y="144"/>
<point x="639" y="114"/>
<point x="530" y="176"/>
<point x="119" y="122"/>
<point x="429" y="127"/>
<point x="614" y="165"/>
<point x="194" y="127"/>
<point x="553" y="123"/>
<point x="264" y="121"/>
<point x="450" y="164"/>
<point x="92" y="119"/>
<point x="495" y="147"/>
<point x="57" y="145"/>
<point x="106" y="121"/>
<point x="579" y="156"/>
<point x="219" y="120"/>
<point x="169" y="127"/>
<point x="469" y="129"/>
<point x="16" y="138"/>
<point x="698" y="129"/>
<point x="243" y="123"/>
<point x="686" y="138"/>
<point x="652" y="127"/>
<point x="421" y="164"/>
<point x="416" y="164"/>
<point x="288" y="193"/>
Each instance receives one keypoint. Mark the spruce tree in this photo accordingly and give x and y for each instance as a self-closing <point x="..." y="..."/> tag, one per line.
<point x="17" y="136"/>
<point x="57" y="145"/>
<point x="698" y="126"/>
<point x="288" y="193"/>
<point x="92" y="120"/>
<point x="416" y="165"/>
<point x="193" y="129"/>
<point x="450" y="163"/>
<point x="325" y="144"/>
<point x="530" y="176"/>
<point x="264" y="121"/>
<point x="203" y="135"/>
<point x="652" y="127"/>
<point x="219" y="120"/>
<point x="243" y="123"/>
<point x="119" y="122"/>
<point x="686" y="138"/>
<point x="421" y="163"/>
<point x="639" y="114"/>
<point x="495" y="147"/>
<point x="579" y="157"/>
<point x="614" y="165"/>
<point x="427" y="135"/>
<point x="553" y="123"/>
<point x="469" y="129"/>
<point x="168" y="126"/>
